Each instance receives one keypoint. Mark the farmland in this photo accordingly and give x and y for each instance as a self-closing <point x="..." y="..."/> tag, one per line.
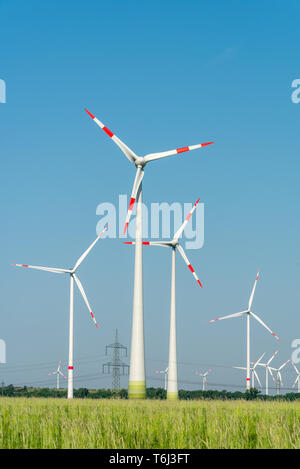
<point x="155" y="424"/>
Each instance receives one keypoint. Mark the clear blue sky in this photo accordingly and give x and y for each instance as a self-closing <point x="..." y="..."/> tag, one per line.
<point x="161" y="75"/>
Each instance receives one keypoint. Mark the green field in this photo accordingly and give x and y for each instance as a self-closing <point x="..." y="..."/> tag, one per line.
<point x="85" y="423"/>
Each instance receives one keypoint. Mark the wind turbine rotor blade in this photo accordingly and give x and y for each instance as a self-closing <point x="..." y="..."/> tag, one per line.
<point x="285" y="363"/>
<point x="253" y="291"/>
<point x="137" y="182"/>
<point x="80" y="287"/>
<point x="295" y="368"/>
<point x="53" y="373"/>
<point x="62" y="375"/>
<point x="47" y="269"/>
<point x="256" y="376"/>
<point x="163" y="154"/>
<point x="265" y="326"/>
<point x="295" y="382"/>
<point x="183" y="255"/>
<point x="83" y="256"/>
<point x="125" y="149"/>
<point x="258" y="361"/>
<point x="272" y="376"/>
<point x="240" y="367"/>
<point x="180" y="230"/>
<point x="151" y="243"/>
<point x="280" y="378"/>
<point x="235" y="315"/>
<point x="273" y="356"/>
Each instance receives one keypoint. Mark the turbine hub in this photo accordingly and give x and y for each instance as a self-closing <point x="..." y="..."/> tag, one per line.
<point x="140" y="162"/>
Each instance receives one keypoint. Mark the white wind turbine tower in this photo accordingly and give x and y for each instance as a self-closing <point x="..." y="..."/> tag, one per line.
<point x="172" y="391"/>
<point x="279" y="382"/>
<point x="297" y="380"/>
<point x="248" y="313"/>
<point x="58" y="373"/>
<point x="253" y="371"/>
<point x="268" y="370"/>
<point x="137" y="384"/>
<point x="165" y="373"/>
<point x="204" y="380"/>
<point x="73" y="277"/>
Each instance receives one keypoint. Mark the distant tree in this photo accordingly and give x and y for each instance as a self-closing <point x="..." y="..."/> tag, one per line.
<point x="81" y="392"/>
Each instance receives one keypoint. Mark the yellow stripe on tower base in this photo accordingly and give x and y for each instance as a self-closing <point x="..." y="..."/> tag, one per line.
<point x="172" y="396"/>
<point x="136" y="390"/>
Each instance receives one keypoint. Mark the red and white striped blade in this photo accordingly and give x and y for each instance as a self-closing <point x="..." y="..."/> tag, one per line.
<point x="183" y="255"/>
<point x="272" y="376"/>
<point x="234" y="315"/>
<point x="265" y="326"/>
<point x="151" y="243"/>
<point x="53" y="373"/>
<point x="280" y="378"/>
<point x="258" y="361"/>
<point x="285" y="363"/>
<point x="80" y="287"/>
<point x="256" y="376"/>
<point x="163" y="154"/>
<point x="253" y="291"/>
<point x="273" y="356"/>
<point x="125" y="149"/>
<point x="180" y="230"/>
<point x="295" y="382"/>
<point x="83" y="256"/>
<point x="137" y="182"/>
<point x="295" y="368"/>
<point x="47" y="269"/>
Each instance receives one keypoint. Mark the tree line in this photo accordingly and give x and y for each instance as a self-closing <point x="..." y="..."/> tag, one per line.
<point x="151" y="393"/>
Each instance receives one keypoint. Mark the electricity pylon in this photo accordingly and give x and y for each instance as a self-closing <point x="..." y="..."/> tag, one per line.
<point x="118" y="367"/>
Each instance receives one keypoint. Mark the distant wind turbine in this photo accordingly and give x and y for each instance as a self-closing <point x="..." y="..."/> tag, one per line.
<point x="73" y="277"/>
<point x="249" y="313"/>
<point x="268" y="371"/>
<point x="253" y="371"/>
<point x="279" y="382"/>
<point x="297" y="380"/>
<point x="165" y="373"/>
<point x="204" y="380"/>
<point x="58" y="373"/>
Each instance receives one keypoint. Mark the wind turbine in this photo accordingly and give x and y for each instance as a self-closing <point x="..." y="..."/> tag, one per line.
<point x="279" y="382"/>
<point x="204" y="380"/>
<point x="57" y="373"/>
<point x="137" y="384"/>
<point x="268" y="370"/>
<point x="249" y="313"/>
<point x="297" y="380"/>
<point x="73" y="277"/>
<point x="172" y="392"/>
<point x="253" y="371"/>
<point x="165" y="373"/>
